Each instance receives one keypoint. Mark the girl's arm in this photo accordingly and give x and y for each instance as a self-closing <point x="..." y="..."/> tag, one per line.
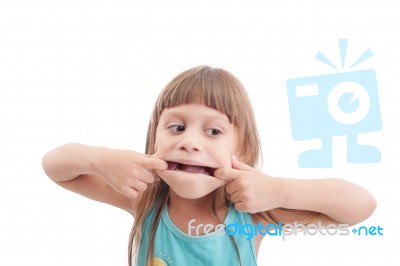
<point x="337" y="199"/>
<point x="327" y="201"/>
<point x="116" y="177"/>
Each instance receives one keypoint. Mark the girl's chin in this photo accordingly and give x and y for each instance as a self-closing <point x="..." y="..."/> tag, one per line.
<point x="190" y="185"/>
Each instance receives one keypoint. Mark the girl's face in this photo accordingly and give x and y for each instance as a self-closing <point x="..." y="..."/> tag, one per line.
<point x="195" y="140"/>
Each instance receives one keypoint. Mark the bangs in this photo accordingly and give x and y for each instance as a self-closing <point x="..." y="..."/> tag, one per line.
<point x="214" y="88"/>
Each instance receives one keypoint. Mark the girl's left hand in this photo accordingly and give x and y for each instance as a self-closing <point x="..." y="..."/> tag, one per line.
<point x="250" y="190"/>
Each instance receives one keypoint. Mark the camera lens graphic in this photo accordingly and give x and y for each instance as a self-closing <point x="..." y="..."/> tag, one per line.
<point x="348" y="102"/>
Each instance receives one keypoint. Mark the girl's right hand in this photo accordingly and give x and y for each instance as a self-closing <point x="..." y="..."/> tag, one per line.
<point x="127" y="171"/>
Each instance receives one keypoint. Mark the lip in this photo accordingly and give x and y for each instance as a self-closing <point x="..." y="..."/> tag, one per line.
<point x="211" y="167"/>
<point x="193" y="162"/>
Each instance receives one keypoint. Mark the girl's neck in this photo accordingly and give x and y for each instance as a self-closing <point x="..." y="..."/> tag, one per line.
<point x="179" y="203"/>
<point x="187" y="209"/>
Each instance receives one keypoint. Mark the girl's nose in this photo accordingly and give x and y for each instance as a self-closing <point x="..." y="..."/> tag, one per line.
<point x="190" y="143"/>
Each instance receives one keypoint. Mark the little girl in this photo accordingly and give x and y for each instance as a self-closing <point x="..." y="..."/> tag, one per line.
<point x="198" y="172"/>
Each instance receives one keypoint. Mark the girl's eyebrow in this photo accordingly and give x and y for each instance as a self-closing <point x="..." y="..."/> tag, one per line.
<point x="182" y="114"/>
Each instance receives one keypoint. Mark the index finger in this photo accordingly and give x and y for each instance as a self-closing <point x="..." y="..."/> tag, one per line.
<point x="155" y="163"/>
<point x="227" y="174"/>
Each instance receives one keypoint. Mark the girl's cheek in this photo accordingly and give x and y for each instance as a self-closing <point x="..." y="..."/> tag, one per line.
<point x="227" y="163"/>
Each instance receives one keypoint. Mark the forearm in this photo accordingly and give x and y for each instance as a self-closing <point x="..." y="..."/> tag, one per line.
<point x="341" y="200"/>
<point x="69" y="161"/>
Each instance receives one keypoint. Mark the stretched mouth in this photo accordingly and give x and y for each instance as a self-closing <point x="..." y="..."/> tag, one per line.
<point x="197" y="169"/>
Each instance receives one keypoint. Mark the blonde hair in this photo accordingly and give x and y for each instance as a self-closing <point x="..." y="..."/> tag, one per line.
<point x="215" y="88"/>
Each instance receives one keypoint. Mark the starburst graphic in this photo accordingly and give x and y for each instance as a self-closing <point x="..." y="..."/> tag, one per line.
<point x="343" y="50"/>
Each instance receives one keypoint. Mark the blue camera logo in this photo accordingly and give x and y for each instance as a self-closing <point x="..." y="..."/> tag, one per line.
<point x="330" y="105"/>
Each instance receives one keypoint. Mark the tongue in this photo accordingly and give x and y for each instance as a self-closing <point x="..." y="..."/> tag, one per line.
<point x="172" y="165"/>
<point x="194" y="169"/>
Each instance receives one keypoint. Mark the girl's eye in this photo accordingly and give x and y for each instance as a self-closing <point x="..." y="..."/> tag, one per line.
<point x="213" y="131"/>
<point x="176" y="128"/>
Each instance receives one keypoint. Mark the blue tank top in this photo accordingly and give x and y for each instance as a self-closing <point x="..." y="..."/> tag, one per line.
<point x="172" y="247"/>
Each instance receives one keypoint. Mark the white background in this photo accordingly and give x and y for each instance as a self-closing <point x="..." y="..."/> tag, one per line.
<point x="90" y="71"/>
